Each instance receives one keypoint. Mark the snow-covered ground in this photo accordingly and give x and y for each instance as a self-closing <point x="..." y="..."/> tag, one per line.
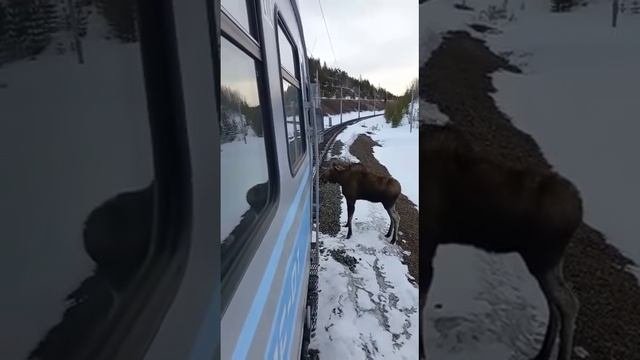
<point x="371" y="313"/>
<point x="334" y="119"/>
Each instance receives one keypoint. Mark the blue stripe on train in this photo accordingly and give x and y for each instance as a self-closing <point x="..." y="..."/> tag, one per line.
<point x="255" y="312"/>
<point x="280" y="341"/>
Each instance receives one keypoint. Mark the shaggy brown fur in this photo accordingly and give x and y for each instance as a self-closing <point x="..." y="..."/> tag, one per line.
<point x="468" y="199"/>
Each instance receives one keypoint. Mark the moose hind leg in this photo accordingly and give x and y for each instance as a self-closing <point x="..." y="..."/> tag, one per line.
<point x="426" y="276"/>
<point x="390" y="212"/>
<point x="422" y="319"/>
<point x="351" y="206"/>
<point x="567" y="306"/>
<point x="552" y="325"/>
<point x="396" y="224"/>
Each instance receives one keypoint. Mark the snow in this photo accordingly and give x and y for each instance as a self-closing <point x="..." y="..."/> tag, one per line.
<point x="335" y="118"/>
<point x="399" y="154"/>
<point x="483" y="306"/>
<point x="371" y="313"/>
<point x="430" y="114"/>
<point x="245" y="165"/>
<point x="436" y="17"/>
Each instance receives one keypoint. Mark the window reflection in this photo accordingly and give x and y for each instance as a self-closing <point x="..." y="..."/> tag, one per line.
<point x="244" y="177"/>
<point x="291" y="98"/>
<point x="78" y="202"/>
<point x="286" y="53"/>
<point x="239" y="11"/>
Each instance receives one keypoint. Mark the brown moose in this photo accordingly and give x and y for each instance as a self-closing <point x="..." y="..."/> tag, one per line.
<point x="469" y="199"/>
<point x="358" y="183"/>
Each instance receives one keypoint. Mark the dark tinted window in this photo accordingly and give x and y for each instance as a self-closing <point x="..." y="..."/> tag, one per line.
<point x="291" y="98"/>
<point x="78" y="191"/>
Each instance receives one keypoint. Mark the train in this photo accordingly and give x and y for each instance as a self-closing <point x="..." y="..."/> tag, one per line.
<point x="270" y="142"/>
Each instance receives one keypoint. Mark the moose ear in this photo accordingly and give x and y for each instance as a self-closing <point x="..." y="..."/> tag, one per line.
<point x="338" y="167"/>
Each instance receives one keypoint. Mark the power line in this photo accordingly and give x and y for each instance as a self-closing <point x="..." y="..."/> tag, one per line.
<point x="328" y="34"/>
<point x="315" y="41"/>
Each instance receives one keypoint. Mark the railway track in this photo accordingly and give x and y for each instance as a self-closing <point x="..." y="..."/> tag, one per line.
<point x="331" y="133"/>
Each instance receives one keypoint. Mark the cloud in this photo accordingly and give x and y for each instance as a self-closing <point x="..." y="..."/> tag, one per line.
<point x="377" y="39"/>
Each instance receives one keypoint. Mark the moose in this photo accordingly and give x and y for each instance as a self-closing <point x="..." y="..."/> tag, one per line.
<point x="470" y="199"/>
<point x="358" y="183"/>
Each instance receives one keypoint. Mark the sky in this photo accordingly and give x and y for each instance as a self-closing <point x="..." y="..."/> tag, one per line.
<point x="377" y="39"/>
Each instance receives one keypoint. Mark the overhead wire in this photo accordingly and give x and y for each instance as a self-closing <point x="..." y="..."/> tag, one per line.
<point x="328" y="34"/>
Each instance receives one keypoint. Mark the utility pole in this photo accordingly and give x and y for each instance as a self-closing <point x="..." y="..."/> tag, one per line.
<point x="615" y="13"/>
<point x="341" y="94"/>
<point x="374" y="100"/>
<point x="340" y="104"/>
<point x="359" y="81"/>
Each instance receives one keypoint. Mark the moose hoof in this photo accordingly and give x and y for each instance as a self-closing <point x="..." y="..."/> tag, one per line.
<point x="345" y="225"/>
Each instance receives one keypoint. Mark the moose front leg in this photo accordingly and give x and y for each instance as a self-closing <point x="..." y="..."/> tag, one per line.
<point x="351" y="206"/>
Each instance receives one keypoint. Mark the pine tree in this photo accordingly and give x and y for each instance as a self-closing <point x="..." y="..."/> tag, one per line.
<point x="29" y="26"/>
<point x="4" y="18"/>
<point x="562" y="5"/>
<point x="121" y="16"/>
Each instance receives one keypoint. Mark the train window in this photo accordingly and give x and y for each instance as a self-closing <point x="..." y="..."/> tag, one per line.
<point x="287" y="54"/>
<point x="242" y="11"/>
<point x="247" y="173"/>
<point x="244" y="178"/>
<point x="292" y="98"/>
<point x="81" y="249"/>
